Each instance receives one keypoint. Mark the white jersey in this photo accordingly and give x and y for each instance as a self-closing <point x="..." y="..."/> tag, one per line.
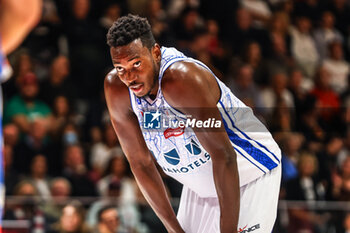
<point x="177" y="149"/>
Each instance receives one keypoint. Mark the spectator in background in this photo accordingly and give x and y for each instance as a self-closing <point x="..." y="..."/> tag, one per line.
<point x="252" y="56"/>
<point x="102" y="152"/>
<point x="244" y="87"/>
<point x="72" y="219"/>
<point x="346" y="223"/>
<point x="25" y="107"/>
<point x="118" y="170"/>
<point x="62" y="115"/>
<point x="259" y="10"/>
<point x="34" y="143"/>
<point x="328" y="100"/>
<point x="38" y="176"/>
<point x="305" y="187"/>
<point x="341" y="182"/>
<point x="186" y="27"/>
<point x="60" y="190"/>
<point x="303" y="46"/>
<point x="279" y="26"/>
<point x="277" y="92"/>
<point x="337" y="67"/>
<point x="291" y="146"/>
<point x="158" y="19"/>
<point x="22" y="64"/>
<point x="26" y="208"/>
<point x="76" y="172"/>
<point x="112" y="13"/>
<point x="86" y="48"/>
<point x="129" y="214"/>
<point x="326" y="34"/>
<point x="108" y="220"/>
<point x="59" y="82"/>
<point x="279" y="59"/>
<point x="243" y="31"/>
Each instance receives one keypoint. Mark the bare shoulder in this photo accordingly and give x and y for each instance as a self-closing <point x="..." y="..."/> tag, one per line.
<point x="116" y="93"/>
<point x="184" y="83"/>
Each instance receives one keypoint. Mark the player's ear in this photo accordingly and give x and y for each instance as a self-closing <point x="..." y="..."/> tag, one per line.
<point x="156" y="53"/>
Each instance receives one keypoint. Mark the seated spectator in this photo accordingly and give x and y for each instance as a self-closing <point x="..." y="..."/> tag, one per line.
<point x="276" y="92"/>
<point x="62" y="115"/>
<point x="129" y="214"/>
<point x="251" y="55"/>
<point x="101" y="151"/>
<point x="108" y="221"/>
<point x="59" y="82"/>
<point x="76" y="172"/>
<point x="290" y="146"/>
<point x="326" y="34"/>
<point x="311" y="125"/>
<point x="60" y="190"/>
<point x="341" y="182"/>
<point x="328" y="100"/>
<point x="72" y="219"/>
<point x="118" y="170"/>
<point x="337" y="67"/>
<point x="303" y="46"/>
<point x="244" y="87"/>
<point x="259" y="10"/>
<point x="305" y="187"/>
<point x="27" y="208"/>
<point x="38" y="176"/>
<point x="244" y="31"/>
<point x="34" y="143"/>
<point x="25" y="107"/>
<point x="346" y="223"/>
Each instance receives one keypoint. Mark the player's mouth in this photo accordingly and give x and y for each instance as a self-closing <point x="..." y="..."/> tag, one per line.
<point x="136" y="88"/>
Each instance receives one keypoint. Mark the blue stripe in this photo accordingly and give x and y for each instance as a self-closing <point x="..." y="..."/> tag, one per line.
<point x="249" y="138"/>
<point x="256" y="153"/>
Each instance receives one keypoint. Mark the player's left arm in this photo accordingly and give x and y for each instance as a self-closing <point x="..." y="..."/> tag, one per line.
<point x="193" y="90"/>
<point x="17" y="18"/>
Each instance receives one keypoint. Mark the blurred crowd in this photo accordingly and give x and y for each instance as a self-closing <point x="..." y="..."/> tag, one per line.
<point x="287" y="59"/>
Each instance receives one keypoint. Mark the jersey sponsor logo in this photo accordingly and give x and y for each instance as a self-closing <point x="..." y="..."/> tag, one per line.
<point x="172" y="157"/>
<point x="249" y="229"/>
<point x="152" y="120"/>
<point x="189" y="167"/>
<point x="193" y="148"/>
<point x="170" y="132"/>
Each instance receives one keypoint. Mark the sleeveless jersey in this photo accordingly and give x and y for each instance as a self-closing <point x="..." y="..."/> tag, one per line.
<point x="177" y="149"/>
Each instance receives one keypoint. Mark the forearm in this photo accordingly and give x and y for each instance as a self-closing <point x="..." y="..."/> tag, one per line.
<point x="153" y="189"/>
<point x="227" y="185"/>
<point x="17" y="17"/>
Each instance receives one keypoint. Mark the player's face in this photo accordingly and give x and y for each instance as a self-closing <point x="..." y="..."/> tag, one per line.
<point x="137" y="67"/>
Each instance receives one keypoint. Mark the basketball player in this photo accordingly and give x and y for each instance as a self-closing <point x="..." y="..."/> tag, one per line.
<point x="159" y="101"/>
<point x="17" y="18"/>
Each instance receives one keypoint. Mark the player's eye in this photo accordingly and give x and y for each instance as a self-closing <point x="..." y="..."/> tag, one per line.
<point x="137" y="64"/>
<point x="119" y="69"/>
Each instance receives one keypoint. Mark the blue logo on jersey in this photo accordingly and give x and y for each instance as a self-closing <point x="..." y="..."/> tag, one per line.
<point x="193" y="148"/>
<point x="151" y="120"/>
<point x="172" y="157"/>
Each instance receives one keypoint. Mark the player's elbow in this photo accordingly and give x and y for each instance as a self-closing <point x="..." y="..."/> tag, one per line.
<point x="140" y="164"/>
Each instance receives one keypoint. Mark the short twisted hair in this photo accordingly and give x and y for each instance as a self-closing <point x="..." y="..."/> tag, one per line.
<point x="129" y="28"/>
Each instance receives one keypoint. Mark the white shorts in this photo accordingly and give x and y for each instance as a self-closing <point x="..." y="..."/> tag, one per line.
<point x="258" y="207"/>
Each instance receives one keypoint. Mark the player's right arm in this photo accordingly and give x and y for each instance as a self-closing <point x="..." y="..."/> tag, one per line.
<point x="17" y="18"/>
<point x="127" y="128"/>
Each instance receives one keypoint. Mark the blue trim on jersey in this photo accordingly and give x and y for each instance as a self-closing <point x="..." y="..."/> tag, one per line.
<point x="249" y="138"/>
<point x="256" y="153"/>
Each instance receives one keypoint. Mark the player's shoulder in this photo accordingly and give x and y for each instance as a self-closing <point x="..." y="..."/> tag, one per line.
<point x="112" y="82"/>
<point x="116" y="92"/>
<point x="185" y="74"/>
